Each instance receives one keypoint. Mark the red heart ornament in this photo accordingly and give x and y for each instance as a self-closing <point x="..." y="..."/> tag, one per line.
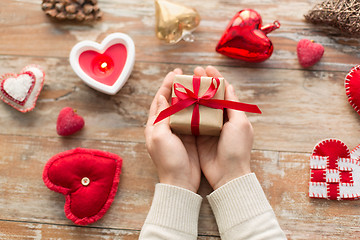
<point x="334" y="171"/>
<point x="309" y="52"/>
<point x="352" y="86"/>
<point x="106" y="66"/>
<point x="21" y="91"/>
<point x="68" y="122"/>
<point x="245" y="37"/>
<point x="89" y="180"/>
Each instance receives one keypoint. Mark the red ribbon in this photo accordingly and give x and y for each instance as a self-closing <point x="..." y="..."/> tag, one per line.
<point x="188" y="98"/>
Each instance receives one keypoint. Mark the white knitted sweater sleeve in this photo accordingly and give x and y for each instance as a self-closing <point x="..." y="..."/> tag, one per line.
<point x="173" y="214"/>
<point x="243" y="212"/>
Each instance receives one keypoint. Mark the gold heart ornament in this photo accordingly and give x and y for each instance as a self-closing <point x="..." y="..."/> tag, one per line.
<point x="175" y="22"/>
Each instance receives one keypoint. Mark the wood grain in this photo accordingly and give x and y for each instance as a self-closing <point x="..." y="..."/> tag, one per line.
<point x="31" y="33"/>
<point x="295" y="104"/>
<point x="300" y="107"/>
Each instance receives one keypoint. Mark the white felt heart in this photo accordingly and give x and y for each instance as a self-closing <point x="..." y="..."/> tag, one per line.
<point x="22" y="90"/>
<point x="106" y="66"/>
<point x="19" y="87"/>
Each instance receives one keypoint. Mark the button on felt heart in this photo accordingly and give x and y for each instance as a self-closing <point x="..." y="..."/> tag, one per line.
<point x="245" y="37"/>
<point x="21" y="91"/>
<point x="106" y="66"/>
<point x="352" y="86"/>
<point x="334" y="171"/>
<point x="88" y="178"/>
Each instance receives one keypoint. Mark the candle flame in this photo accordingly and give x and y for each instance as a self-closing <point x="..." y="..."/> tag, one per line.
<point x="103" y="65"/>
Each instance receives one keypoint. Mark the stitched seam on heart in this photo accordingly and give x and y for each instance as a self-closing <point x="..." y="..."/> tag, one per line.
<point x="348" y="78"/>
<point x="67" y="193"/>
<point x="22" y="103"/>
<point x="104" y="208"/>
<point x="313" y="193"/>
<point x="38" y="90"/>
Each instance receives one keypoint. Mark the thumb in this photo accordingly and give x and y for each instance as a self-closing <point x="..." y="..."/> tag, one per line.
<point x="162" y="104"/>
<point x="231" y="96"/>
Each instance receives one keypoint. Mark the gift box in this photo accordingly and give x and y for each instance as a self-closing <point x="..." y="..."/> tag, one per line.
<point x="210" y="119"/>
<point x="197" y="105"/>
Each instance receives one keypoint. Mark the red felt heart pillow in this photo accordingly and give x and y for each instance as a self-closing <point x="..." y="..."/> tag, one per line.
<point x="352" y="86"/>
<point x="88" y="178"/>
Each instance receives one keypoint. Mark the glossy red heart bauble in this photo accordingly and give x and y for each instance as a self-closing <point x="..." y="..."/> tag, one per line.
<point x="245" y="37"/>
<point x="352" y="86"/>
<point x="88" y="178"/>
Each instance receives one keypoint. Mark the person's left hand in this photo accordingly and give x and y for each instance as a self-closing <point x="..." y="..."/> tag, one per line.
<point x="175" y="157"/>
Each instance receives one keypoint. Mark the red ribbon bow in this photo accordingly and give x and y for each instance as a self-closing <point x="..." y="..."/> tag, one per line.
<point x="188" y="98"/>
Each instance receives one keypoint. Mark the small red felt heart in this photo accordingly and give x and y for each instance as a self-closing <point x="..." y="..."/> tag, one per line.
<point x="334" y="171"/>
<point x="88" y="178"/>
<point x="309" y="52"/>
<point x="352" y="86"/>
<point x="69" y="122"/>
<point x="22" y="90"/>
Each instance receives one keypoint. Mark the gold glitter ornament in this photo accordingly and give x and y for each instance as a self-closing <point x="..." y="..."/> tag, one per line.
<point x="175" y="22"/>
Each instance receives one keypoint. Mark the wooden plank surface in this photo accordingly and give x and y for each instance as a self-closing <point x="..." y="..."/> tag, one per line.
<point x="300" y="107"/>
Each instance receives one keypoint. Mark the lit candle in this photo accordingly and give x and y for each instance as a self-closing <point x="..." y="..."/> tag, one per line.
<point x="106" y="66"/>
<point x="102" y="65"/>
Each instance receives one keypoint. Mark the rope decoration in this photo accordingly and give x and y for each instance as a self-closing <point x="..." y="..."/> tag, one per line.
<point x="341" y="14"/>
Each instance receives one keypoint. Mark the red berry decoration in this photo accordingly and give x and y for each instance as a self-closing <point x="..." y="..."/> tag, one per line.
<point x="309" y="52"/>
<point x="245" y="37"/>
<point x="69" y="122"/>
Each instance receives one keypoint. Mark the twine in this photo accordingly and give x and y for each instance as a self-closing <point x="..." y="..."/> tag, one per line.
<point x="341" y="14"/>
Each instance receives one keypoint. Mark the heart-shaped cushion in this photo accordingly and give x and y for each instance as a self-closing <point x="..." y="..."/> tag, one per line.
<point x="334" y="171"/>
<point x="21" y="91"/>
<point x="245" y="37"/>
<point x="352" y="86"/>
<point x="88" y="178"/>
<point x="106" y="66"/>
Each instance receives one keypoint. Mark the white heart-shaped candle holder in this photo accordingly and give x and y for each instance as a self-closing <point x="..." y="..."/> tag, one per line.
<point x="106" y="66"/>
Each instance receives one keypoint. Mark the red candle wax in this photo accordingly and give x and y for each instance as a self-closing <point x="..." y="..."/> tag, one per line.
<point x="106" y="67"/>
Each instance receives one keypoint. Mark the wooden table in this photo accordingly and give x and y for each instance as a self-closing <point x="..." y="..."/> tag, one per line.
<point x="300" y="107"/>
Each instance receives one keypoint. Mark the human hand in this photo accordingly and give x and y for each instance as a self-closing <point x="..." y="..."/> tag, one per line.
<point x="227" y="157"/>
<point x="175" y="157"/>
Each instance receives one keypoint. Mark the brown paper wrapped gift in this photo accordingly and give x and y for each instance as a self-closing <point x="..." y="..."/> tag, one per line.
<point x="211" y="119"/>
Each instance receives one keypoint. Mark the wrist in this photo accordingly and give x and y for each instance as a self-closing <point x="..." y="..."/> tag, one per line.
<point x="229" y="177"/>
<point x="178" y="183"/>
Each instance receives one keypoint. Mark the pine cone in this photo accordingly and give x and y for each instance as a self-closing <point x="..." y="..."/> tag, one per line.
<point x="79" y="10"/>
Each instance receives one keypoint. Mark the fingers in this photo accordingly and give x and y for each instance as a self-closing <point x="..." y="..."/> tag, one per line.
<point x="212" y="72"/>
<point x="199" y="71"/>
<point x="233" y="115"/>
<point x="178" y="71"/>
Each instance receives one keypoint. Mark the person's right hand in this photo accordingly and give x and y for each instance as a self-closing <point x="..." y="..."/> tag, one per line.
<point x="227" y="157"/>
